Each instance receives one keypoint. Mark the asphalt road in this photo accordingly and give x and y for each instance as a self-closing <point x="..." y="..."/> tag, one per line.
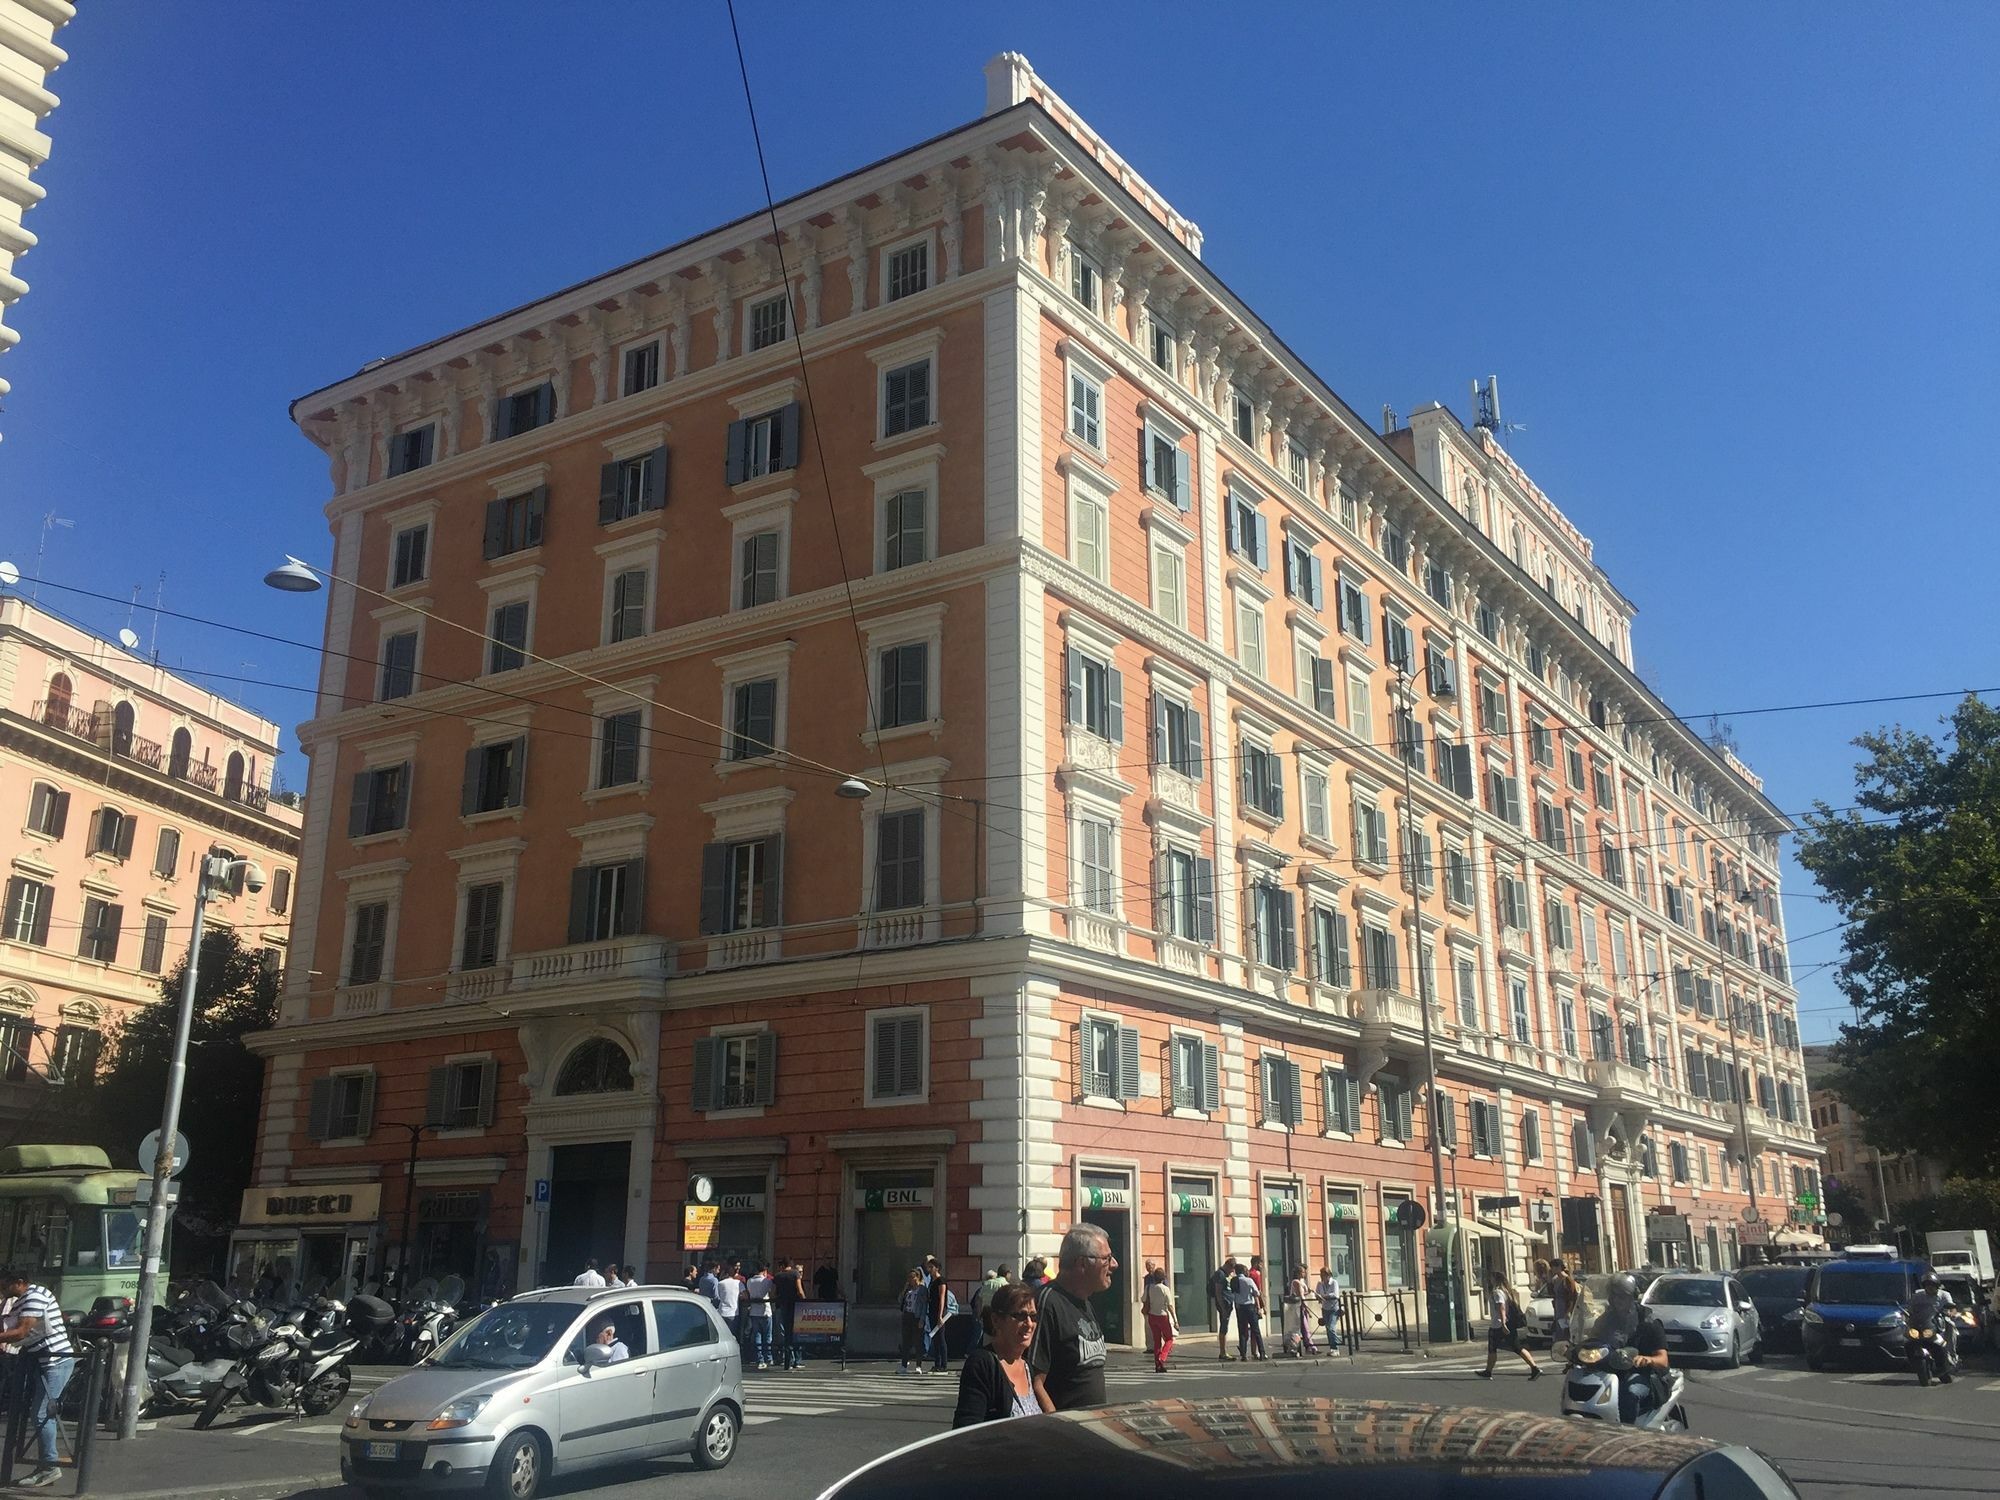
<point x="1841" y="1436"/>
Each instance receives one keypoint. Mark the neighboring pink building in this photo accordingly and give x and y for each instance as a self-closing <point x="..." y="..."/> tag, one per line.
<point x="115" y="777"/>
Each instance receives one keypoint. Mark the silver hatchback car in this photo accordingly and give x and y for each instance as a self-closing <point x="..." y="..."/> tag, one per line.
<point x="1707" y="1316"/>
<point x="554" y="1382"/>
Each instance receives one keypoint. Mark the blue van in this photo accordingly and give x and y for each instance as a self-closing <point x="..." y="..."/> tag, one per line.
<point x="1854" y="1310"/>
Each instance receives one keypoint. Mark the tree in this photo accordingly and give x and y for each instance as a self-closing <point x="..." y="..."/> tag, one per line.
<point x="1914" y="869"/>
<point x="235" y="994"/>
<point x="1857" y="1220"/>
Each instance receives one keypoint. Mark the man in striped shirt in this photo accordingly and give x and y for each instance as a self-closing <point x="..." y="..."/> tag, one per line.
<point x="44" y="1343"/>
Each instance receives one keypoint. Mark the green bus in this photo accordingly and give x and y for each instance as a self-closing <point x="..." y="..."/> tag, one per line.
<point x="69" y="1221"/>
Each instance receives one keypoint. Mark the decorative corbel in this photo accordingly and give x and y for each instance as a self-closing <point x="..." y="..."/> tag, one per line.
<point x="950" y="231"/>
<point x="600" y="356"/>
<point x="857" y="259"/>
<point x="716" y="272"/>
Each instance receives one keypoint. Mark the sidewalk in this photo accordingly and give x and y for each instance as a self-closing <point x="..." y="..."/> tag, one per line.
<point x="236" y="1460"/>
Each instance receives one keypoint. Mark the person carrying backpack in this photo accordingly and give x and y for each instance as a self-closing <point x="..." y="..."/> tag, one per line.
<point x="1504" y="1329"/>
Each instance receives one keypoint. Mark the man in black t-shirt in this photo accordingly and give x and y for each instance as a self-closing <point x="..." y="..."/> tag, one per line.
<point x="1067" y="1355"/>
<point x="1628" y="1323"/>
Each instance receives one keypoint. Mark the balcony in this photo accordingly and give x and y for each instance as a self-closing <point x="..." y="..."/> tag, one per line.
<point x="1382" y="1012"/>
<point x="1749" y="1120"/>
<point x="1092" y="929"/>
<point x="471" y="986"/>
<point x="1622" y="1085"/>
<point x="897" y="929"/>
<point x="632" y="960"/>
<point x="361" y="999"/>
<point x="733" y="950"/>
<point x="100" y="728"/>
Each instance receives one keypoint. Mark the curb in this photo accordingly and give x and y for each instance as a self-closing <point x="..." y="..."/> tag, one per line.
<point x="258" y="1489"/>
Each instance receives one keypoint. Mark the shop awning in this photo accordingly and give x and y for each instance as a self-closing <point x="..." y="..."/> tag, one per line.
<point x="1492" y="1231"/>
<point x="1797" y="1239"/>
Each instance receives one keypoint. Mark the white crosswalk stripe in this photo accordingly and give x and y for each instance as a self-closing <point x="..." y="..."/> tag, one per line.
<point x="1991" y="1385"/>
<point x="1786" y="1375"/>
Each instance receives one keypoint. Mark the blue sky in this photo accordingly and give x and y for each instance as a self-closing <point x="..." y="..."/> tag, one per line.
<point x="1733" y="265"/>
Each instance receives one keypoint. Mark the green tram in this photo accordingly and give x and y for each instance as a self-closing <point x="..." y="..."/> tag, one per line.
<point x="69" y="1221"/>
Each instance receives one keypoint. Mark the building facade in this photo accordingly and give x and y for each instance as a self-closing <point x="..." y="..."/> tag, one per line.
<point x="28" y="54"/>
<point x="978" y="488"/>
<point x="1883" y="1180"/>
<point x="118" y="777"/>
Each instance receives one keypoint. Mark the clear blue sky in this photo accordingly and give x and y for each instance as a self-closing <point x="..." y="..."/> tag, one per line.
<point x="1735" y="267"/>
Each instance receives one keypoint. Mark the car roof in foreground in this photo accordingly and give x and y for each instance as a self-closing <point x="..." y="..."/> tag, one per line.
<point x="1278" y="1448"/>
<point x="581" y="1296"/>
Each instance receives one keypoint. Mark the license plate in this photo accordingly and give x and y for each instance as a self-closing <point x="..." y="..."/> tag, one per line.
<point x="1851" y="1343"/>
<point x="383" y="1450"/>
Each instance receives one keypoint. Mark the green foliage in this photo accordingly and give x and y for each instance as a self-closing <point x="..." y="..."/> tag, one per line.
<point x="234" y="996"/>
<point x="1965" y="1203"/>
<point x="1915" y="869"/>
<point x="1857" y="1220"/>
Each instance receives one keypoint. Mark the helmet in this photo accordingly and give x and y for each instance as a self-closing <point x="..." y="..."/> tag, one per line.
<point x="1624" y="1287"/>
<point x="1930" y="1281"/>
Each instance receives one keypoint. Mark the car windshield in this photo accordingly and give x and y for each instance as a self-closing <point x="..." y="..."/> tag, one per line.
<point x="1885" y="1287"/>
<point x="1776" y="1281"/>
<point x="511" y="1336"/>
<point x="1685" y="1291"/>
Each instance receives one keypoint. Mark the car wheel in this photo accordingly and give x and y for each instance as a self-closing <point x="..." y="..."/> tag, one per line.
<point x="1734" y="1359"/>
<point x="715" y="1443"/>
<point x="1815" y="1363"/>
<point x="1756" y="1354"/>
<point x="516" y="1473"/>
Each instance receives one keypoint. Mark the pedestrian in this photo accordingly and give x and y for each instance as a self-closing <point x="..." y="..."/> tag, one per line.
<point x="915" y="1299"/>
<point x="981" y="1296"/>
<point x="1298" y="1305"/>
<point x="691" y="1277"/>
<point x="1068" y="1353"/>
<point x="1035" y="1274"/>
<point x="589" y="1275"/>
<point x="1562" y="1294"/>
<point x="757" y="1310"/>
<point x="1219" y="1298"/>
<point x="1263" y="1297"/>
<point x="996" y="1380"/>
<point x="826" y="1284"/>
<point x="787" y="1291"/>
<point x="1503" y="1330"/>
<point x="940" y="1309"/>
<point x="1163" y="1324"/>
<point x="729" y="1302"/>
<point x="1248" y="1302"/>
<point x="709" y="1283"/>
<point x="39" y="1333"/>
<point x="1328" y="1292"/>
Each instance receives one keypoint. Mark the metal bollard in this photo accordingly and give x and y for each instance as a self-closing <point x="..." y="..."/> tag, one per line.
<point x="93" y="1401"/>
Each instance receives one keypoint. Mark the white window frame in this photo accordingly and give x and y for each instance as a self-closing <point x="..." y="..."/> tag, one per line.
<point x="1360" y="706"/>
<point x="1087" y="485"/>
<point x="488" y="864"/>
<point x="924" y="347"/>
<point x="409" y="518"/>
<point x="622" y="698"/>
<point x="927" y="239"/>
<point x="1073" y="254"/>
<point x="909" y="627"/>
<point x="1080" y="364"/>
<point x="624" y="352"/>
<point x="757" y="665"/>
<point x="752" y="305"/>
<point x="1171" y="556"/>
<point x="917" y="470"/>
<point x="626" y="556"/>
<point x="912" y="785"/>
<point x="369" y="884"/>
<point x="869" y="1019"/>
<point x="1155" y="326"/>
<point x="1085" y="804"/>
<point x="393" y="620"/>
<point x="746" y="519"/>
<point x="515" y="586"/>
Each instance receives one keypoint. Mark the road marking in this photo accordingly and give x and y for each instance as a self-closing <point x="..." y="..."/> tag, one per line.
<point x="1991" y="1385"/>
<point x="1708" y="1375"/>
<point x="1790" y="1375"/>
<point x="1877" y="1377"/>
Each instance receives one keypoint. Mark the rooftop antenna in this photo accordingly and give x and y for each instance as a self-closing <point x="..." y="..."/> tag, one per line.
<point x="1388" y="419"/>
<point x="48" y="522"/>
<point x="159" y="593"/>
<point x="1486" y="404"/>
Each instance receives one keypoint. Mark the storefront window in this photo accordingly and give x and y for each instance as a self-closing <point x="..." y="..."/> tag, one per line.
<point x="1343" y="1236"/>
<point x="895" y="1221"/>
<point x="1399" y="1246"/>
<point x="1108" y="1203"/>
<point x="1192" y="1211"/>
<point x="739" y="1228"/>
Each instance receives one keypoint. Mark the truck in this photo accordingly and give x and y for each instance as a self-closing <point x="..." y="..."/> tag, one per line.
<point x="1961" y="1252"/>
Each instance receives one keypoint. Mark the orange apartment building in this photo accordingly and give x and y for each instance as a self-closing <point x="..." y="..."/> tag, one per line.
<point x="117" y="777"/>
<point x="977" y="486"/>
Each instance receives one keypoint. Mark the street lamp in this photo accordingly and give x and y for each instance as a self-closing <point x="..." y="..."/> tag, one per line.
<point x="1406" y="701"/>
<point x="416" y="1131"/>
<point x="215" y="870"/>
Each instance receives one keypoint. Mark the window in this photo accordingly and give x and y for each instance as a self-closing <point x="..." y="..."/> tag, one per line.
<point x="48" y="810"/>
<point x="1340" y="1094"/>
<point x="1466" y="980"/>
<point x="1303" y="579"/>
<point x="28" y="905"/>
<point x="153" y="945"/>
<point x="515" y="523"/>
<point x="1097" y="864"/>
<point x="507" y="650"/>
<point x="1378" y="957"/>
<point x="1177" y="737"/>
<point x="757" y="572"/>
<point x="1083" y="278"/>
<point x="74" y="1054"/>
<point x="1165" y="347"/>
<point x="908" y="271"/>
<point x="1573" y="757"/>
<point x="98" y="940"/>
<point x="1332" y="964"/>
<point x="1531" y="1136"/>
<point x="368" y="945"/>
<point x="1371" y="832"/>
<point x="1274" y="939"/>
<point x="1170" y="584"/>
<point x="1297" y="467"/>
<point x="1439" y="671"/>
<point x="903" y="680"/>
<point x="1109" y="1057"/>
<point x="1250" y="634"/>
<point x="1457" y="876"/>
<point x="1677" y="1159"/>
<point x="618" y="748"/>
<point x="343" y="1107"/>
<point x="480" y="946"/>
<point x="742" y="885"/>
<point x="1550" y="828"/>
<point x="1582" y="1147"/>
<point x="399" y="665"/>
<point x="494" y="776"/>
<point x="762" y="445"/>
<point x="411" y="556"/>
<point x="1483" y="1121"/>
<point x="1263" y="778"/>
<point x="1095" y="696"/>
<point x="167" y="859"/>
<point x="735" y="1072"/>
<point x="1518" y="999"/>
<point x="1621" y="965"/>
<point x="1163" y="467"/>
<point x="1418" y="864"/>
<point x="1243" y="416"/>
<point x="1437" y="583"/>
<point x="1354" y="609"/>
<point x="1089" y="528"/>
<point x="413" y="449"/>
<point x="609" y="900"/>
<point x="1492" y="710"/>
<point x="1487" y="623"/>
<point x="1396" y="1103"/>
<point x="1396" y="547"/>
<point x="769" y="322"/>
<point x="1313" y="794"/>
<point x="1601" y="789"/>
<point x="461" y="1095"/>
<point x="896" y="1056"/>
<point x="1086" y="409"/>
<point x="642" y="367"/>
<point x="1185" y="905"/>
<point x="1279" y="1092"/>
<point x="628" y="605"/>
<point x="1407" y="735"/>
<point x="1613" y="860"/>
<point x="1196" y="1080"/>
<point x="1360" y="718"/>
<point x="628" y="487"/>
<point x="753" y="719"/>
<point x="524" y="411"/>
<point x="899" y="860"/>
<point x="1561" y="926"/>
<point x="380" y="802"/>
<point x="1541" y="745"/>
<point x="1513" y="902"/>
<point x="906" y="398"/>
<point x="1566" y="1019"/>
<point x="1249" y="537"/>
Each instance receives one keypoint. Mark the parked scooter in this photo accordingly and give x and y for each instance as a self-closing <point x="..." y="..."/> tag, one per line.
<point x="1595" y="1375"/>
<point x="295" y="1363"/>
<point x="430" y="1319"/>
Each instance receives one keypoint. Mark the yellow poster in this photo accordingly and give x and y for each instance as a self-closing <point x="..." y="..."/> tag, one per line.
<point x="698" y="1222"/>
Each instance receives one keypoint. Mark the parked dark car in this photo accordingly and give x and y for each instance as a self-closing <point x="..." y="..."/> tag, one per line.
<point x="1780" y="1295"/>
<point x="1291" y="1448"/>
<point x="1854" y="1311"/>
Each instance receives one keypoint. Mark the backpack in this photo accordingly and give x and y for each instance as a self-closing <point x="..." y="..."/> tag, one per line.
<point x="1516" y="1319"/>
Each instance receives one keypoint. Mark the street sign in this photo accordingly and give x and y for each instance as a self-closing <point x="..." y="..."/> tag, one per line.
<point x="142" y="1192"/>
<point x="149" y="1153"/>
<point x="1497" y="1205"/>
<point x="542" y="1194"/>
<point x="698" y="1225"/>
<point x="1103" y="1197"/>
<point x="1835" y="1220"/>
<point x="1749" y="1215"/>
<point x="1410" y="1214"/>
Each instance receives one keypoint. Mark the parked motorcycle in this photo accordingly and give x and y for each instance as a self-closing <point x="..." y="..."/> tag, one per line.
<point x="429" y="1321"/>
<point x="1595" y="1376"/>
<point x="295" y="1363"/>
<point x="1930" y="1353"/>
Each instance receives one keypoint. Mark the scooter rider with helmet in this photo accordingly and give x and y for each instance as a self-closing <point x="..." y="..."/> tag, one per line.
<point x="1927" y="1308"/>
<point x="1626" y="1323"/>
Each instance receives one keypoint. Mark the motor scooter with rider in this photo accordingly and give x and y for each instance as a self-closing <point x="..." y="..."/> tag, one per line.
<point x="1619" y="1371"/>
